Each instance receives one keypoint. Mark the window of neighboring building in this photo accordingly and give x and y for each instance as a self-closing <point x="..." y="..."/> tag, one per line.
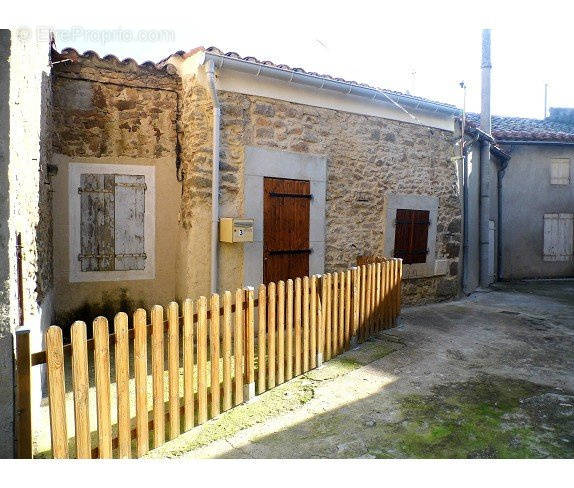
<point x="560" y="172"/>
<point x="558" y="236"/>
<point x="411" y="235"/>
<point x="111" y="222"/>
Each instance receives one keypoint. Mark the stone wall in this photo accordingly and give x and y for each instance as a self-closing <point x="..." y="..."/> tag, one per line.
<point x="112" y="112"/>
<point x="367" y="158"/>
<point x="25" y="180"/>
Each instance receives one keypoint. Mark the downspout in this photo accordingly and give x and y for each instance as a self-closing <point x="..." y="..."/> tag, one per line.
<point x="465" y="204"/>
<point x="485" y="126"/>
<point x="500" y="175"/>
<point x="210" y="70"/>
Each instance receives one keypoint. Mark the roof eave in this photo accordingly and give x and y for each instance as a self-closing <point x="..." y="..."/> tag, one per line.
<point x="315" y="81"/>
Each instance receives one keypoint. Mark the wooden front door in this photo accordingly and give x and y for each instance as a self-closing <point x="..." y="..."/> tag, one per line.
<point x="286" y="250"/>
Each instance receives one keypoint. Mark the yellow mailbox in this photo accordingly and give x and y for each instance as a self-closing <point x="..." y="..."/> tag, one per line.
<point x="235" y="230"/>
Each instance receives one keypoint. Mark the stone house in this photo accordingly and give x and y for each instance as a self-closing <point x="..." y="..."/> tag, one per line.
<point x="362" y="155"/>
<point x="118" y="174"/>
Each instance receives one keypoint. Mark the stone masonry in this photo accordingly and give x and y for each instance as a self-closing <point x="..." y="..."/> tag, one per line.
<point x="367" y="157"/>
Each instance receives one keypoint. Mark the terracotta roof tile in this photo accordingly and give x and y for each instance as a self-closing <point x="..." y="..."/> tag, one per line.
<point x="524" y="129"/>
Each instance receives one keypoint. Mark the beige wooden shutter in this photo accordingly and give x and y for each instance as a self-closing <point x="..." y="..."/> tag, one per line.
<point x="560" y="172"/>
<point x="558" y="237"/>
<point x="96" y="222"/>
<point x="129" y="219"/>
<point x="565" y="236"/>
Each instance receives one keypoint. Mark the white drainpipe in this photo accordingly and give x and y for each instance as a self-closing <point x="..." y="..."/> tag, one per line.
<point x="210" y="70"/>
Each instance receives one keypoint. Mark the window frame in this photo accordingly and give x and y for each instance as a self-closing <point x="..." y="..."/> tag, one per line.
<point x="74" y="212"/>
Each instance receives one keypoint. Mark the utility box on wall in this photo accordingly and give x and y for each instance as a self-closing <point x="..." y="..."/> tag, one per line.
<point x="235" y="230"/>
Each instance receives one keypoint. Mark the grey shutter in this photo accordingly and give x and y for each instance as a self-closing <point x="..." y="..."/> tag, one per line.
<point x="97" y="222"/>
<point x="129" y="222"/>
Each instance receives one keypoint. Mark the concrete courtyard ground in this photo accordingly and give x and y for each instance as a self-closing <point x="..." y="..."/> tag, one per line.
<point x="490" y="376"/>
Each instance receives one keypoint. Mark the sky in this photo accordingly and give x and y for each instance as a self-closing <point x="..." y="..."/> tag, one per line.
<point x="425" y="48"/>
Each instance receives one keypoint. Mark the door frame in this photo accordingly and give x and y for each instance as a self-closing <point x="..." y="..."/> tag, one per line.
<point x="263" y="162"/>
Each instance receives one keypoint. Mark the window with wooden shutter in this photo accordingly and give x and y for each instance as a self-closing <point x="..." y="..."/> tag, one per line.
<point x="112" y="222"/>
<point x="558" y="237"/>
<point x="560" y="172"/>
<point x="411" y="235"/>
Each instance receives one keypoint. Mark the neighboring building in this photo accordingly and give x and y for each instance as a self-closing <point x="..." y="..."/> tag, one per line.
<point x="537" y="198"/>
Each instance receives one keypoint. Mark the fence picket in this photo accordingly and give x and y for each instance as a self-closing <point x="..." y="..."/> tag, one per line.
<point x="348" y="285"/>
<point x="289" y="332"/>
<point x="227" y="333"/>
<point x="378" y="297"/>
<point x="327" y="310"/>
<point x="321" y="321"/>
<point x="313" y="322"/>
<point x="297" y="326"/>
<point x="261" y="333"/>
<point x="386" y="304"/>
<point x="201" y="360"/>
<point x="57" y="392"/>
<point x="140" y="367"/>
<point x="81" y="385"/>
<point x="393" y="290"/>
<point x="249" y="388"/>
<point x="335" y="316"/>
<point x="362" y="317"/>
<point x="281" y="332"/>
<point x="173" y="368"/>
<point x="271" y="335"/>
<point x="102" y="374"/>
<point x="157" y="356"/>
<point x="214" y="339"/>
<point x="188" y="365"/>
<point x="341" y="330"/>
<point x="238" y="346"/>
<point x="123" y="384"/>
<point x="305" y="285"/>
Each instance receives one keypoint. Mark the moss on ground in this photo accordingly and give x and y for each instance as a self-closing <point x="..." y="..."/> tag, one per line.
<point x="281" y="399"/>
<point x="488" y="417"/>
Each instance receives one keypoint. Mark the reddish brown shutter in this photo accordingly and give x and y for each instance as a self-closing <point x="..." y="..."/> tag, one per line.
<point x="411" y="235"/>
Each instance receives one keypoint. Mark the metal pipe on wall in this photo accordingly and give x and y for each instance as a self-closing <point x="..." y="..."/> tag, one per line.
<point x="210" y="70"/>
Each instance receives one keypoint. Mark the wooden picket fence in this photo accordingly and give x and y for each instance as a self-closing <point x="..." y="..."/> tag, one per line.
<point x="253" y="344"/>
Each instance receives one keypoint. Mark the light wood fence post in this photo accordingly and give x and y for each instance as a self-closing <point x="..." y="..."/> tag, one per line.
<point x="122" y="358"/>
<point x="188" y="365"/>
<point x="57" y="392"/>
<point x="173" y="368"/>
<point x="157" y="356"/>
<point x="214" y="338"/>
<point x="261" y="339"/>
<point x="81" y="385"/>
<point x="102" y="370"/>
<point x="249" y="387"/>
<point x="140" y="372"/>
<point x="356" y="305"/>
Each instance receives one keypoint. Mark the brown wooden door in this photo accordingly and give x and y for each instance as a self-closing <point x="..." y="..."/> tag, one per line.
<point x="286" y="250"/>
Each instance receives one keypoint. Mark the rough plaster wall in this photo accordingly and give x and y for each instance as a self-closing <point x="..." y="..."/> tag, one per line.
<point x="106" y="112"/>
<point x="193" y="277"/>
<point x="29" y="200"/>
<point x="526" y="196"/>
<point x="367" y="157"/>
